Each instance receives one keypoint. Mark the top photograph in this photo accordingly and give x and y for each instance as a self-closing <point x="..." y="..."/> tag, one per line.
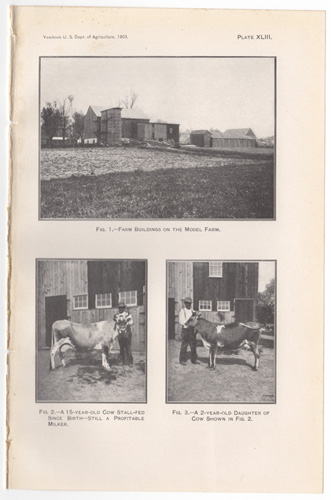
<point x="157" y="138"/>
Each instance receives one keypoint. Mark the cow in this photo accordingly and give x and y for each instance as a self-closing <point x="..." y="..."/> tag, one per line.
<point x="230" y="336"/>
<point x="99" y="336"/>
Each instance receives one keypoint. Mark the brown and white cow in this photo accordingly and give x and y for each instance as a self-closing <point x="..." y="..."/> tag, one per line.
<point x="99" y="336"/>
<point x="230" y="336"/>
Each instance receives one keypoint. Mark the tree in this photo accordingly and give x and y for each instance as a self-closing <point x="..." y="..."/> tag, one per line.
<point x="50" y="121"/>
<point x="265" y="309"/>
<point x="65" y="125"/>
<point x="78" y="126"/>
<point x="129" y="100"/>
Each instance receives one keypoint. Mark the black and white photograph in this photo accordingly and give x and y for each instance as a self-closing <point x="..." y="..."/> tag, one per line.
<point x="221" y="331"/>
<point x="157" y="138"/>
<point x="91" y="331"/>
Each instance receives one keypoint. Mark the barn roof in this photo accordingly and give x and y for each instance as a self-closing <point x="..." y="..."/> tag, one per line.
<point x="217" y="135"/>
<point x="196" y="132"/>
<point x="97" y="109"/>
<point x="234" y="132"/>
<point x="233" y="136"/>
<point x="134" y="114"/>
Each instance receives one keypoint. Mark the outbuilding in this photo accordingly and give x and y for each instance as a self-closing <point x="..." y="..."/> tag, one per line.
<point x="200" y="138"/>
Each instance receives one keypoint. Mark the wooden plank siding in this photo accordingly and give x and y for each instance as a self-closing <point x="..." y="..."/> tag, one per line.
<point x="239" y="281"/>
<point x="79" y="277"/>
<point x="180" y="285"/>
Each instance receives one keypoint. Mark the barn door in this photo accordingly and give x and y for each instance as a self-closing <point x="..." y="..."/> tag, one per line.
<point x="244" y="310"/>
<point x="171" y="318"/>
<point x="55" y="308"/>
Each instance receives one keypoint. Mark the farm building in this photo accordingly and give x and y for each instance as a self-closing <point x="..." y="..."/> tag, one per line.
<point x="200" y="138"/>
<point x="87" y="291"/>
<point x="109" y="126"/>
<point x="229" y="288"/>
<point x="236" y="138"/>
<point x="159" y="132"/>
<point x="231" y="138"/>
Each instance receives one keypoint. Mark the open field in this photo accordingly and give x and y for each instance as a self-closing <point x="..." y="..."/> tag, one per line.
<point x="233" y="381"/>
<point x="146" y="184"/>
<point x="85" y="380"/>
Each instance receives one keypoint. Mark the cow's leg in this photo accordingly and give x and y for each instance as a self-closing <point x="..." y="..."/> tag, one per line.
<point x="212" y="357"/>
<point x="55" y="348"/>
<point x="104" y="357"/>
<point x="210" y="364"/>
<point x="256" y="352"/>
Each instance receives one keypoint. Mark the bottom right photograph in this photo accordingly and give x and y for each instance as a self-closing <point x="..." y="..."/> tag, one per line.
<point x="221" y="331"/>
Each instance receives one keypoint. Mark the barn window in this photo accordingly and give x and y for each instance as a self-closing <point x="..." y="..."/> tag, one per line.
<point x="205" y="305"/>
<point x="129" y="298"/>
<point x="80" y="302"/>
<point x="216" y="269"/>
<point x="223" y="305"/>
<point x="170" y="130"/>
<point x="103" y="300"/>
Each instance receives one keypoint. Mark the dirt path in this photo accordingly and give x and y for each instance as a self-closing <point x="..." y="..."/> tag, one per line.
<point x="233" y="381"/>
<point x="84" y="380"/>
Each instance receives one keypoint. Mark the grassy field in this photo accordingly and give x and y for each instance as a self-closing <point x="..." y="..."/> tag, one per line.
<point x="154" y="184"/>
<point x="233" y="381"/>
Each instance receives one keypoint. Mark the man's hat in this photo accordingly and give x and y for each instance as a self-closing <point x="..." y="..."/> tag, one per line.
<point x="188" y="299"/>
<point x="121" y="304"/>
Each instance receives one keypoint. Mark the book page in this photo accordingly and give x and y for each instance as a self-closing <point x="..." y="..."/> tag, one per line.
<point x="166" y="250"/>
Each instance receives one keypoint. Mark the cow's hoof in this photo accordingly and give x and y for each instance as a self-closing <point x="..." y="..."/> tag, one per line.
<point x="107" y="368"/>
<point x="254" y="369"/>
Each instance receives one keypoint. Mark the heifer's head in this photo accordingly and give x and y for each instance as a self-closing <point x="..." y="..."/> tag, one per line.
<point x="194" y="318"/>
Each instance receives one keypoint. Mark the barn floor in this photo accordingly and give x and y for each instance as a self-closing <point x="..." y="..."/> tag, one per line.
<point x="233" y="381"/>
<point x="84" y="380"/>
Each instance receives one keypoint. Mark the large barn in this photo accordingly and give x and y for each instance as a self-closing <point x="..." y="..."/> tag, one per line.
<point x="108" y="126"/>
<point x="86" y="291"/>
<point x="229" y="288"/>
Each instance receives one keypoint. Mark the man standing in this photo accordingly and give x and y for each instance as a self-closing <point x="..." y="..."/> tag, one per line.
<point x="188" y="333"/>
<point x="123" y="322"/>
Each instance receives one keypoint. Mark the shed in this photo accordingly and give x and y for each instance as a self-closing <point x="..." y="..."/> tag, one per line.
<point x="200" y="138"/>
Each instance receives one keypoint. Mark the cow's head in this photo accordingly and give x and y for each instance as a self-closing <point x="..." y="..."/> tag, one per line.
<point x="194" y="318"/>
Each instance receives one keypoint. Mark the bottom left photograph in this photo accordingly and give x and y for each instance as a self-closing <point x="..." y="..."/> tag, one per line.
<point x="91" y="341"/>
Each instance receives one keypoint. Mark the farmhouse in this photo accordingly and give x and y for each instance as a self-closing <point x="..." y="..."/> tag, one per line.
<point x="87" y="291"/>
<point x="229" y="288"/>
<point x="108" y="126"/>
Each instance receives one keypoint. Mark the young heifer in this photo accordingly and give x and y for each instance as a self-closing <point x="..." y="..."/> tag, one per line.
<point x="231" y="336"/>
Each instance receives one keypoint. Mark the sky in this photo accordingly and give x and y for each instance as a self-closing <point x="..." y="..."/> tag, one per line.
<point x="266" y="273"/>
<point x="197" y="93"/>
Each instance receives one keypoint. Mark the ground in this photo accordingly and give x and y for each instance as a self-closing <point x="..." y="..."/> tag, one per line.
<point x="233" y="380"/>
<point x="85" y="380"/>
<point x="150" y="183"/>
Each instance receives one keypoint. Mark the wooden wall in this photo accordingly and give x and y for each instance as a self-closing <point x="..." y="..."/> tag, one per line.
<point x="180" y="285"/>
<point x="240" y="280"/>
<point x="70" y="277"/>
